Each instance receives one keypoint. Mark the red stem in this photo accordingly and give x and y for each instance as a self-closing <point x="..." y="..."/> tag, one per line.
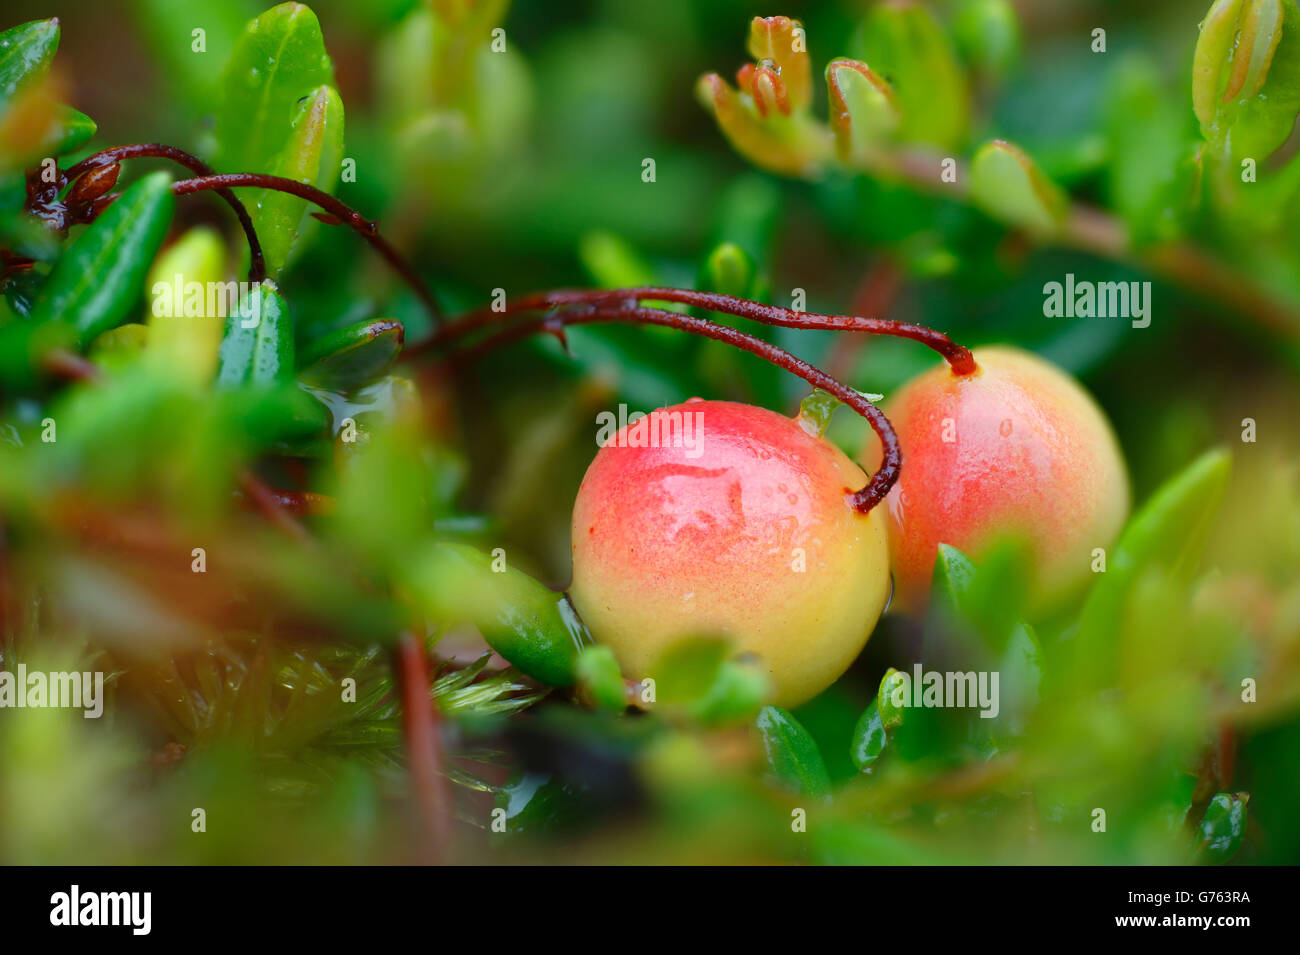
<point x="256" y="263"/>
<point x="341" y="214"/>
<point x="423" y="744"/>
<point x="956" y="355"/>
<point x="864" y="500"/>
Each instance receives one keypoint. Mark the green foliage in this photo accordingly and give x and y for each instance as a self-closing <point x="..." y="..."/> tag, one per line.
<point x="96" y="282"/>
<point x="257" y="348"/>
<point x="280" y="114"/>
<point x="792" y="753"/>
<point x="344" y="489"/>
<point x="1006" y="184"/>
<point x="25" y="54"/>
<point x="909" y="49"/>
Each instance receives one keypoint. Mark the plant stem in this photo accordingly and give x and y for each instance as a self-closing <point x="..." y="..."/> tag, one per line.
<point x="256" y="264"/>
<point x="1095" y="231"/>
<point x="339" y="213"/>
<point x="957" y="356"/>
<point x="423" y="745"/>
<point x="623" y="309"/>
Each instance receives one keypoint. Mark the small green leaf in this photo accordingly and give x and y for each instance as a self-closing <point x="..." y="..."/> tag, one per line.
<point x="729" y="270"/>
<point x="892" y="684"/>
<point x="1010" y="187"/>
<point x="72" y="130"/>
<point x="257" y="347"/>
<point x="1246" y="76"/>
<point x="530" y="625"/>
<point x="815" y="411"/>
<point x="353" y="356"/>
<point x="186" y="338"/>
<point x="599" y="675"/>
<point x="954" y="577"/>
<point x="25" y="54"/>
<point x="738" y="691"/>
<point x="688" y="669"/>
<point x="905" y="45"/>
<point x="1168" y="532"/>
<point x="1223" y="827"/>
<point x="99" y="277"/>
<point x="864" y="111"/>
<point x="988" y="35"/>
<point x="792" y="753"/>
<point x="313" y="154"/>
<point x="869" y="738"/>
<point x="279" y="59"/>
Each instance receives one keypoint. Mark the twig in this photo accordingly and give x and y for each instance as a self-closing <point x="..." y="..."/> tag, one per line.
<point x="588" y="313"/>
<point x="257" y="263"/>
<point x="957" y="356"/>
<point x="339" y="213"/>
<point x="423" y="745"/>
<point x="1093" y="230"/>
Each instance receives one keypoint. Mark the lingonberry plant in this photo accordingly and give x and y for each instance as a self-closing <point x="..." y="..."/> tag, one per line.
<point x="351" y="569"/>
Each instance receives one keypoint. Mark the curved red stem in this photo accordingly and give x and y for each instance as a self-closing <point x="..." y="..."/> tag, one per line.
<point x="340" y="213"/>
<point x="589" y="314"/>
<point x="256" y="262"/>
<point x="956" y="355"/>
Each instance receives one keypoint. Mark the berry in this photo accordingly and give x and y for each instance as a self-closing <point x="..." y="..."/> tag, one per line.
<point x="1018" y="447"/>
<point x="746" y="531"/>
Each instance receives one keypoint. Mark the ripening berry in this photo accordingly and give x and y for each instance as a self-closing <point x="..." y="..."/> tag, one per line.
<point x="1016" y="448"/>
<point x="744" y="530"/>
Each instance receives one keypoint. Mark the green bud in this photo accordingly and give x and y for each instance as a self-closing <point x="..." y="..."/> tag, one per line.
<point x="903" y="43"/>
<point x="1246" y="75"/>
<point x="988" y="35"/>
<point x="1010" y="187"/>
<point x="1223" y="828"/>
<point x="187" y="338"/>
<point x="864" y="111"/>
<point x="599" y="675"/>
<point x="729" y="270"/>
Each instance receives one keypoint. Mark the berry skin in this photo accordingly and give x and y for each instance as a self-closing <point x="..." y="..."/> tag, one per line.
<point x="751" y="536"/>
<point x="1017" y="447"/>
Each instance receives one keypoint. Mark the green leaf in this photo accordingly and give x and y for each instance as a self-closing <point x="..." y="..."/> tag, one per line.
<point x="25" y="54"/>
<point x="1246" y="76"/>
<point x="905" y="45"/>
<point x="313" y="154"/>
<point x="738" y="691"/>
<point x="815" y="411"/>
<point x="1010" y="187"/>
<point x="1223" y="827"/>
<point x="988" y="35"/>
<point x="688" y="669"/>
<point x="954" y="577"/>
<point x="275" y="116"/>
<point x="792" y="753"/>
<point x="188" y="339"/>
<point x="869" y="738"/>
<point x="891" y="715"/>
<point x="728" y="270"/>
<point x="257" y="347"/>
<point x="1168" y="532"/>
<point x="98" y="279"/>
<point x="864" y="111"/>
<point x="73" y="129"/>
<point x="1151" y="173"/>
<point x="533" y="627"/>
<point x="353" y="356"/>
<point x="599" y="675"/>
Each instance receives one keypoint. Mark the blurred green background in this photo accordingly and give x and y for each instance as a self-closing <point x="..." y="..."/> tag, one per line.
<point x="523" y="172"/>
